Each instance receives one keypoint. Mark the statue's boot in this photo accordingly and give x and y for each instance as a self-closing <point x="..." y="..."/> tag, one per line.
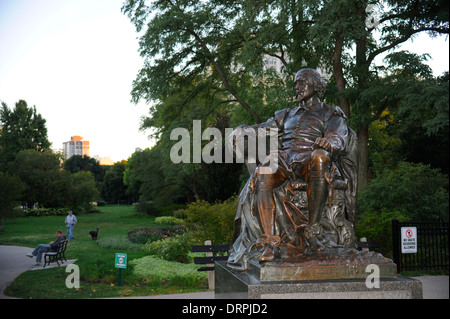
<point x="267" y="211"/>
<point x="264" y="208"/>
<point x="317" y="196"/>
<point x="267" y="255"/>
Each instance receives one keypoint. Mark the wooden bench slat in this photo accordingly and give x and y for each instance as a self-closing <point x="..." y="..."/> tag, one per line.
<point x="368" y="244"/>
<point x="210" y="248"/>
<point x="208" y="260"/>
<point x="205" y="269"/>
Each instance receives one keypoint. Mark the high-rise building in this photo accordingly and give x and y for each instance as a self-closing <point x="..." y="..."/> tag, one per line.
<point x="76" y="146"/>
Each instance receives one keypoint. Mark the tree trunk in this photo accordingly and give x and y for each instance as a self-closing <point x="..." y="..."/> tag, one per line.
<point x="363" y="156"/>
<point x="339" y="74"/>
<point x="362" y="67"/>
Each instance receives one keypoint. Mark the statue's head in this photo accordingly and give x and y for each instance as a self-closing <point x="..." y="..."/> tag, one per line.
<point x="312" y="77"/>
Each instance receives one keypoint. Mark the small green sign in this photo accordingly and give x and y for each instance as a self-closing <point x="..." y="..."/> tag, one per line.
<point x="121" y="260"/>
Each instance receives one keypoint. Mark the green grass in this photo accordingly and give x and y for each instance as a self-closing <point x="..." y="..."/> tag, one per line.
<point x="96" y="262"/>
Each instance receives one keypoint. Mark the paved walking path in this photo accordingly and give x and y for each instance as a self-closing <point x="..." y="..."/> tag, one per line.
<point x="13" y="262"/>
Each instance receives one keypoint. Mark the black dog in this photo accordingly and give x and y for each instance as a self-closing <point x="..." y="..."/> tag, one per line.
<point x="94" y="234"/>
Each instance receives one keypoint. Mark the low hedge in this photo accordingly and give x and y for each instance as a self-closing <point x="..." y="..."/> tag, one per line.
<point x="144" y="235"/>
<point x="168" y="220"/>
<point x="39" y="212"/>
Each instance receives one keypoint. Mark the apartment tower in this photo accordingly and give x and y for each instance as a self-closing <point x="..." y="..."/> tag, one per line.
<point x="76" y="146"/>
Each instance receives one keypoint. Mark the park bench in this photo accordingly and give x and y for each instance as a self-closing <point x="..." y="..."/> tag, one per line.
<point x="59" y="254"/>
<point x="209" y="258"/>
<point x="365" y="245"/>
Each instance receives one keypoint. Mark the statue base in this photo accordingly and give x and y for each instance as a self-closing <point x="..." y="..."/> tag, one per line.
<point x="334" y="274"/>
<point x="335" y="263"/>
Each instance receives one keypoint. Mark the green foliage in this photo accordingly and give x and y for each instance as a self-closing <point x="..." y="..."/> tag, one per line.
<point x="168" y="220"/>
<point x="212" y="221"/>
<point x="422" y="122"/>
<point x="145" y="235"/>
<point x="45" y="183"/>
<point x="10" y="191"/>
<point x="120" y="243"/>
<point x="148" y="175"/>
<point x="157" y="271"/>
<point x="415" y="189"/>
<point x="78" y="163"/>
<point x="49" y="186"/>
<point x="39" y="212"/>
<point x="113" y="188"/>
<point x="377" y="226"/>
<point x="171" y="248"/>
<point x="151" y="207"/>
<point x="21" y="128"/>
<point x="81" y="191"/>
<point x="96" y="258"/>
<point x="384" y="144"/>
<point x="199" y="44"/>
<point x="205" y="60"/>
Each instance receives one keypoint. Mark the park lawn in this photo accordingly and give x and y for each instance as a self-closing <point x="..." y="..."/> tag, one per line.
<point x="97" y="272"/>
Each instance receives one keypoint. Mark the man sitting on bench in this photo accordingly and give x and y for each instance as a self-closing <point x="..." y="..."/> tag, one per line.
<point x="42" y="248"/>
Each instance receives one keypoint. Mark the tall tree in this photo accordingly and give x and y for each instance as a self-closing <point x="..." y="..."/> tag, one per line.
<point x="45" y="182"/>
<point x="10" y="192"/>
<point x="21" y="128"/>
<point x="373" y="28"/>
<point x="81" y="191"/>
<point x="220" y="45"/>
<point x="113" y="189"/>
<point x="78" y="163"/>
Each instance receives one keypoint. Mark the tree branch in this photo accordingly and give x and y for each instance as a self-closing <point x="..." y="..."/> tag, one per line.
<point x="402" y="39"/>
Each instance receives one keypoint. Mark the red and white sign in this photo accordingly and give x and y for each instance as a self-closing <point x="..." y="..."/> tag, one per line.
<point x="409" y="240"/>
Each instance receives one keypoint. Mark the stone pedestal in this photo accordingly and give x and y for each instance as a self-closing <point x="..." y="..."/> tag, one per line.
<point x="336" y="263"/>
<point x="248" y="285"/>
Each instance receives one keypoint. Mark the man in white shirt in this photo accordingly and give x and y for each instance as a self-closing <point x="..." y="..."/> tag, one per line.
<point x="71" y="221"/>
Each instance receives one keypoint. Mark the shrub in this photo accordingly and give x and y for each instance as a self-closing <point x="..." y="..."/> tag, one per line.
<point x="180" y="213"/>
<point x="142" y="236"/>
<point x="171" y="248"/>
<point x="148" y="208"/>
<point x="377" y="226"/>
<point x="213" y="222"/>
<point x="120" y="244"/>
<point x="38" y="212"/>
<point x="157" y="271"/>
<point x="168" y="220"/>
<point x="101" y="203"/>
<point x="157" y="208"/>
<point x="415" y="189"/>
<point x="168" y="210"/>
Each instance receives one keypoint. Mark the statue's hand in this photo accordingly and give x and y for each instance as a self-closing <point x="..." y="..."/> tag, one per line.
<point x="323" y="143"/>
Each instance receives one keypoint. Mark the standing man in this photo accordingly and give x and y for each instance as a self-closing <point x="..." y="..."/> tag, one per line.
<point x="71" y="221"/>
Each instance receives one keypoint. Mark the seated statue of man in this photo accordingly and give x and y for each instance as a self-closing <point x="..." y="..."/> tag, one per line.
<point x="311" y="137"/>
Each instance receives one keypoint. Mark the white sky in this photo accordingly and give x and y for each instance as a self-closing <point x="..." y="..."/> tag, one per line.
<point x="75" y="60"/>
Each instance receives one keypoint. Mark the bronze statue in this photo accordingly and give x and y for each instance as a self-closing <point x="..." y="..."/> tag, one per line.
<point x="308" y="203"/>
